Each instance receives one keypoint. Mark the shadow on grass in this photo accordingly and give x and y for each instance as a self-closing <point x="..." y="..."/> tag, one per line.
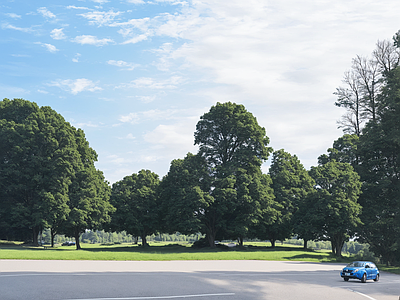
<point x="315" y="255"/>
<point x="178" y="249"/>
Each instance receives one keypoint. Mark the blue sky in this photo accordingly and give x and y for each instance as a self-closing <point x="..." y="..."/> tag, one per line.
<point x="136" y="75"/>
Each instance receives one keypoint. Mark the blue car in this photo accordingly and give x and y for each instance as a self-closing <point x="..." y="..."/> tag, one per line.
<point x="361" y="270"/>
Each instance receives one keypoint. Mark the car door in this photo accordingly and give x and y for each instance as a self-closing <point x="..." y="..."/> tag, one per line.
<point x="369" y="270"/>
<point x="374" y="270"/>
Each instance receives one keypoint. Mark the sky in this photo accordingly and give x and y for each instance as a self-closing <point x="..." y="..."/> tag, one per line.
<point x="136" y="75"/>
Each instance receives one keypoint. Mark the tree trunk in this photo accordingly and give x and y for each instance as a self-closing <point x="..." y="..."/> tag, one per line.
<point x="144" y="241"/>
<point x="272" y="243"/>
<point x="52" y="234"/>
<point x="211" y="231"/>
<point x="333" y="247"/>
<point x="78" y="245"/>
<point x="305" y="244"/>
<point x="337" y="245"/>
<point x="211" y="238"/>
<point x="240" y="239"/>
<point x="35" y="236"/>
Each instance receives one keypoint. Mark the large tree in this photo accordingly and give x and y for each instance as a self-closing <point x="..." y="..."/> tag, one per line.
<point x="37" y="157"/>
<point x="89" y="204"/>
<point x="338" y="189"/>
<point x="47" y="174"/>
<point x="233" y="145"/>
<point x="184" y="196"/>
<point x="136" y="201"/>
<point x="380" y="170"/>
<point x="375" y="154"/>
<point x="291" y="184"/>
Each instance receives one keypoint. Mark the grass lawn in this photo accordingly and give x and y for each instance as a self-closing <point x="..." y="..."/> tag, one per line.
<point x="163" y="251"/>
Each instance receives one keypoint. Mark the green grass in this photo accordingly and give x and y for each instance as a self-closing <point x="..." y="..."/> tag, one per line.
<point x="395" y="270"/>
<point x="162" y="252"/>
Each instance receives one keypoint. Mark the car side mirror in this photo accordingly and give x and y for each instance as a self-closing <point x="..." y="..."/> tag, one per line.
<point x="367" y="266"/>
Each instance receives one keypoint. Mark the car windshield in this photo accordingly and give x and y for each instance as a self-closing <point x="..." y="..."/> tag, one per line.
<point x="356" y="264"/>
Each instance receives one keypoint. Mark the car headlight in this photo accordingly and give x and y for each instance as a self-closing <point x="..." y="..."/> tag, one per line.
<point x="356" y="270"/>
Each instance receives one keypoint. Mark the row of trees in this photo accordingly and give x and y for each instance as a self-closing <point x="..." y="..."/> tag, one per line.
<point x="48" y="180"/>
<point x="222" y="193"/>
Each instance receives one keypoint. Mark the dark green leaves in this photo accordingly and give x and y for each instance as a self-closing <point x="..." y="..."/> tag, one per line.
<point x="229" y="138"/>
<point x="136" y="201"/>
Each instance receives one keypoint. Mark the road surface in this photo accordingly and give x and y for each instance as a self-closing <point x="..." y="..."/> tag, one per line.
<point x="191" y="280"/>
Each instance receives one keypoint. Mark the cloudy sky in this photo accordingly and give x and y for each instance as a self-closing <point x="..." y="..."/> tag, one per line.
<point x="136" y="75"/>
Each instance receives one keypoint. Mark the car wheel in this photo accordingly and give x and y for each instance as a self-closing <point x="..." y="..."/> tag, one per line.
<point x="377" y="277"/>
<point x="364" y="278"/>
<point x="345" y="278"/>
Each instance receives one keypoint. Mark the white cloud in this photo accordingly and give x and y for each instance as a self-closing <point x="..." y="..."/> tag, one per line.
<point x="135" y="1"/>
<point x="129" y="136"/>
<point x="20" y="55"/>
<point x="164" y="53"/>
<point x="86" y="124"/>
<point x="135" y="30"/>
<point x="46" y="13"/>
<point x="12" y="91"/>
<point x="147" y="99"/>
<point x="76" y="86"/>
<point x="76" y="58"/>
<point x="22" y="29"/>
<point x="267" y="50"/>
<point x="13" y="15"/>
<point x="122" y="64"/>
<point x="100" y="18"/>
<point x="168" y="135"/>
<point x="173" y="2"/>
<point x="130" y="118"/>
<point x="128" y="26"/>
<point x="77" y="7"/>
<point x="51" y="48"/>
<point x="58" y="34"/>
<point x="91" y="40"/>
<point x="100" y="1"/>
<point x="151" y="115"/>
<point x="150" y="83"/>
<point x="136" y="39"/>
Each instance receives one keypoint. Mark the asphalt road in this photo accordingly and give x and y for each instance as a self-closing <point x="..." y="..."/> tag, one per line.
<point x="211" y="280"/>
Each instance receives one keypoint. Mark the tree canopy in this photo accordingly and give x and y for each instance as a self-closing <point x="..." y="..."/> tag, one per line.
<point x="230" y="138"/>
